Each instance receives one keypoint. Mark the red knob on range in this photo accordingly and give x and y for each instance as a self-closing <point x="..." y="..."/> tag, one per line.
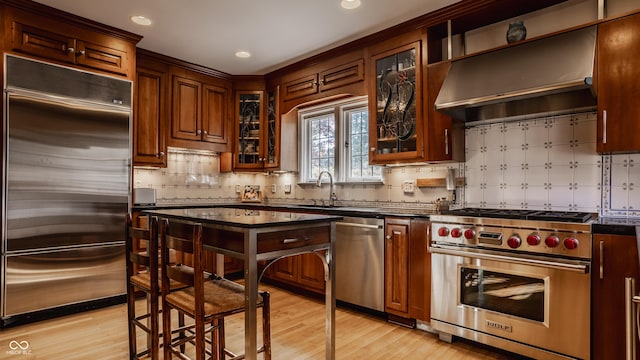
<point x="456" y="232"/>
<point x="533" y="239"/>
<point x="552" y="241"/>
<point x="514" y="241"/>
<point x="571" y="243"/>
<point x="443" y="231"/>
<point x="469" y="234"/>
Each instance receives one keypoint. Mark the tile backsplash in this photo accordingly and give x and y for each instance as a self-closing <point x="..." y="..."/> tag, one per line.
<point x="547" y="163"/>
<point x="542" y="163"/>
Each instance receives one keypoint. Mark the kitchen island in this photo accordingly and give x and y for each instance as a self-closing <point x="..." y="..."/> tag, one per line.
<point x="257" y="235"/>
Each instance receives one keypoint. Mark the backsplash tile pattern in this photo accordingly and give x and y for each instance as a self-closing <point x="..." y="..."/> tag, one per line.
<point x="192" y="178"/>
<point x="545" y="163"/>
<point x="621" y="186"/>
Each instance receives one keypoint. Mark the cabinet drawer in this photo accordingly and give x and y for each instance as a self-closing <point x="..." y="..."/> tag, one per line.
<point x="342" y="75"/>
<point x="303" y="86"/>
<point x="287" y="239"/>
<point x="34" y="41"/>
<point x="102" y="58"/>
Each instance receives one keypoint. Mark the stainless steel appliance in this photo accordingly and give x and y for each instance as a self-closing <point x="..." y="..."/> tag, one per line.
<point x="360" y="262"/>
<point x="517" y="280"/>
<point x="65" y="188"/>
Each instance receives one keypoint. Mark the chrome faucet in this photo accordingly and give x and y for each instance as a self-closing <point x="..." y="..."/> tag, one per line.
<point x="332" y="195"/>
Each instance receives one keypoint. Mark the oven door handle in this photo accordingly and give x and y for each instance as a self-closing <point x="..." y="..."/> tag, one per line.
<point x="470" y="253"/>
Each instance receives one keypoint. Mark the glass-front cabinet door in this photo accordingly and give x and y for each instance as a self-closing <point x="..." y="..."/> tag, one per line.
<point x="249" y="130"/>
<point x="271" y="152"/>
<point x="396" y="108"/>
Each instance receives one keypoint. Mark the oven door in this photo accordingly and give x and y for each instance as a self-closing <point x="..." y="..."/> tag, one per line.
<point x="530" y="302"/>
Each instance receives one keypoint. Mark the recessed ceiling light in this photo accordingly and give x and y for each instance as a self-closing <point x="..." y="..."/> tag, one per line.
<point x="141" y="20"/>
<point x="243" y="54"/>
<point x="350" y="4"/>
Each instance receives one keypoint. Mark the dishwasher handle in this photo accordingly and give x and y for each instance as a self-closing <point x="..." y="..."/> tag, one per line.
<point x="356" y="225"/>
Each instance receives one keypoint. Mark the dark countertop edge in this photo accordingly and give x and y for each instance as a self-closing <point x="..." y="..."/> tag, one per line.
<point x="340" y="211"/>
<point x="314" y="218"/>
<point x="609" y="228"/>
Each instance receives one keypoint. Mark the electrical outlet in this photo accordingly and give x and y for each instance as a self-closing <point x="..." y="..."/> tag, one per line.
<point x="273" y="188"/>
<point x="287" y="188"/>
<point x="408" y="186"/>
<point x="237" y="189"/>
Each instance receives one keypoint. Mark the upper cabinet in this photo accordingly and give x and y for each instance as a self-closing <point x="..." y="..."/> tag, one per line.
<point x="319" y="80"/>
<point x="403" y="125"/>
<point x="618" y="65"/>
<point x="200" y="111"/>
<point x="150" y="115"/>
<point x="62" y="38"/>
<point x="395" y="105"/>
<point x="325" y="80"/>
<point x="250" y="130"/>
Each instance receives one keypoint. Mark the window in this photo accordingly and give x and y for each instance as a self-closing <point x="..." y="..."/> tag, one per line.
<point x="335" y="137"/>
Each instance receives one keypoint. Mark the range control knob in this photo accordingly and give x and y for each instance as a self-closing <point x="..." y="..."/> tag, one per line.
<point x="443" y="231"/>
<point x="469" y="234"/>
<point x="552" y="241"/>
<point x="456" y="232"/>
<point x="533" y="239"/>
<point x="514" y="241"/>
<point x="571" y="243"/>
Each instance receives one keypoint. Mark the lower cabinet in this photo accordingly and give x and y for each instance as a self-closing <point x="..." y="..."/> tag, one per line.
<point x="305" y="271"/>
<point x="407" y="269"/>
<point x="615" y="257"/>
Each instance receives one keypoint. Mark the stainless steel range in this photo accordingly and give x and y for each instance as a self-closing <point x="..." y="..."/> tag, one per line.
<point x="514" y="279"/>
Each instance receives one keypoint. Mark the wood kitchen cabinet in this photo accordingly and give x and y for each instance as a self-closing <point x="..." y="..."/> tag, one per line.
<point x="403" y="125"/>
<point x="615" y="257"/>
<point x="340" y="75"/>
<point x="200" y="110"/>
<point x="150" y="115"/>
<point x="618" y="71"/>
<point x="396" y="266"/>
<point x="395" y="104"/>
<point x="444" y="136"/>
<point x="305" y="271"/>
<point x="407" y="269"/>
<point x="324" y="80"/>
<point x="63" y="38"/>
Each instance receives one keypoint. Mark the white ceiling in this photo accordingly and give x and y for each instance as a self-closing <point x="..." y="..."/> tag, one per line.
<point x="275" y="32"/>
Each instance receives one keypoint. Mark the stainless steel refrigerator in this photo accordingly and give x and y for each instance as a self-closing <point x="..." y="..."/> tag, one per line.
<point x="65" y="188"/>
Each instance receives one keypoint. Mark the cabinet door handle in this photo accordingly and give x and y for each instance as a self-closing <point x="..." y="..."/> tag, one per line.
<point x="604" y="126"/>
<point x="198" y="132"/>
<point x="80" y="53"/>
<point x="295" y="240"/>
<point x="161" y="154"/>
<point x="446" y="141"/>
<point x="70" y="50"/>
<point x="601" y="259"/>
<point x="204" y="132"/>
<point x="373" y="149"/>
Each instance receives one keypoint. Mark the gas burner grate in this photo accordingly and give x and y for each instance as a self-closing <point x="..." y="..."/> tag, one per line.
<point x="562" y="216"/>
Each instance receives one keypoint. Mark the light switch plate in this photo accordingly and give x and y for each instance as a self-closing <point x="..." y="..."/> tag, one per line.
<point x="287" y="188"/>
<point x="237" y="189"/>
<point x="273" y="188"/>
<point x="408" y="186"/>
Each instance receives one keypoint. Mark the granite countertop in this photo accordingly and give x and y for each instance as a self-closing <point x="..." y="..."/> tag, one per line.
<point x="614" y="226"/>
<point x="371" y="212"/>
<point x="246" y="218"/>
<point x="617" y="226"/>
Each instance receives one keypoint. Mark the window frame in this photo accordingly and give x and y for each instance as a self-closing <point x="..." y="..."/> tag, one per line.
<point x="340" y="111"/>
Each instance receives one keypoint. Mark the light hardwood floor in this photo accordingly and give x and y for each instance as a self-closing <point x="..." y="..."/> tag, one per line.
<point x="297" y="333"/>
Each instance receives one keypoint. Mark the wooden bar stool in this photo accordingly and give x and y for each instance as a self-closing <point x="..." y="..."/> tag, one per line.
<point x="142" y="275"/>
<point x="207" y="300"/>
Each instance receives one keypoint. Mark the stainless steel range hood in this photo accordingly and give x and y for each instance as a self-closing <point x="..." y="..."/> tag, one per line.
<point x="548" y="76"/>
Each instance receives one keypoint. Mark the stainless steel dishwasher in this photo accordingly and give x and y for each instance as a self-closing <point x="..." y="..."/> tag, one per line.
<point x="360" y="262"/>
